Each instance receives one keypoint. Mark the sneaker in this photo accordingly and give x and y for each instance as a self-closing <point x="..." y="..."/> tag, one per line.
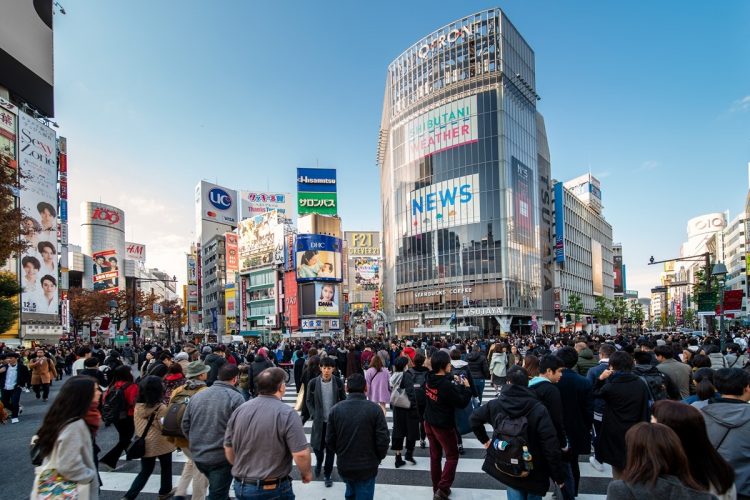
<point x="328" y="481"/>
<point x="25" y="389"/>
<point x="167" y="495"/>
<point x="13" y="420"/>
<point x="596" y="464"/>
<point x="422" y="444"/>
<point x="461" y="449"/>
<point x="20" y="410"/>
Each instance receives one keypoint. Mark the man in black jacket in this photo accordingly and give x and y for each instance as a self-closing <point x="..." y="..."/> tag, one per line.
<point x="515" y="401"/>
<point x="323" y="392"/>
<point x="13" y="376"/>
<point x="358" y="434"/>
<point x="161" y="367"/>
<point x="478" y="368"/>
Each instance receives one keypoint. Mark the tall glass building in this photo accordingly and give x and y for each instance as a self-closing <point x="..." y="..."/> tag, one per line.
<point x="461" y="184"/>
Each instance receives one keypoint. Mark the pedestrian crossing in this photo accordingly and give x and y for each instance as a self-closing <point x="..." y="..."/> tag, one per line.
<point x="411" y="480"/>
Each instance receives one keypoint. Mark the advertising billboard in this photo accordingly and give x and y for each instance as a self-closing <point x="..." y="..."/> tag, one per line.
<point x="291" y="304"/>
<point x="617" y="260"/>
<point x="135" y="251"/>
<point x="255" y="203"/>
<point x="706" y="224"/>
<point x="106" y="275"/>
<point x="26" y="58"/>
<point x="99" y="214"/>
<point x="37" y="160"/>
<point x="366" y="273"/>
<point x="261" y="241"/>
<point x="317" y="203"/>
<point x="445" y="204"/>
<point x="232" y="256"/>
<point x="316" y="180"/>
<point x="445" y="127"/>
<point x="216" y="203"/>
<point x="559" y="223"/>
<point x="8" y="122"/>
<point x="597" y="276"/>
<point x="318" y="257"/>
<point x="230" y="308"/>
<point x="327" y="299"/>
<point x="192" y="277"/>
<point x="523" y="202"/>
<point x="362" y="243"/>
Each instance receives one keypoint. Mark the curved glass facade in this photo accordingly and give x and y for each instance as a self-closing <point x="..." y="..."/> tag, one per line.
<point x="459" y="179"/>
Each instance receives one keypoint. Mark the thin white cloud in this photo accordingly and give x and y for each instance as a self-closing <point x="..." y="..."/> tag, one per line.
<point x="648" y="165"/>
<point x="603" y="175"/>
<point x="741" y="105"/>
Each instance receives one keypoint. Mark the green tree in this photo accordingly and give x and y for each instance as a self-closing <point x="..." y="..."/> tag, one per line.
<point x="636" y="314"/>
<point x="575" y="307"/>
<point x="9" y="290"/>
<point x="688" y="317"/>
<point x="602" y="310"/>
<point x="619" y="309"/>
<point x="11" y="216"/>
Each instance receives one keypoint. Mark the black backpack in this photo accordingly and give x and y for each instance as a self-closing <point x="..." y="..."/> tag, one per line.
<point x="657" y="387"/>
<point x="115" y="407"/>
<point x="508" y="454"/>
<point x="420" y="377"/>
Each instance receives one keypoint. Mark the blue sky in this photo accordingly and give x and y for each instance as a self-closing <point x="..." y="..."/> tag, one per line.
<point x="652" y="97"/>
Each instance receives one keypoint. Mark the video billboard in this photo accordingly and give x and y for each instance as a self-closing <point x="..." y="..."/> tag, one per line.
<point x="261" y="241"/>
<point x="106" y="274"/>
<point x="327" y="299"/>
<point x="450" y="203"/>
<point x="37" y="160"/>
<point x="366" y="273"/>
<point x="445" y="127"/>
<point x="318" y="257"/>
<point x="617" y="259"/>
<point x="231" y="248"/>
<point x="255" y="203"/>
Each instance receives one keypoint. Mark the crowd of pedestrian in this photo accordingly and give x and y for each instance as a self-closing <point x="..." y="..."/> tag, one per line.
<point x="667" y="414"/>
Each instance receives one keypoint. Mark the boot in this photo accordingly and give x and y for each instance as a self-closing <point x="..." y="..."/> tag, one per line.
<point x="409" y="457"/>
<point x="399" y="461"/>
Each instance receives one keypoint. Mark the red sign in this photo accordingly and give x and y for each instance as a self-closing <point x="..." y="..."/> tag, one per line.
<point x="105" y="214"/>
<point x="62" y="162"/>
<point x="232" y="251"/>
<point x="291" y="304"/>
<point x="63" y="188"/>
<point x="733" y="300"/>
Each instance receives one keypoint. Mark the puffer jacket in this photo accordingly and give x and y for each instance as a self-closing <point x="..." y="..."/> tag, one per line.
<point x="478" y="365"/>
<point x="717" y="360"/>
<point x="156" y="444"/>
<point x="585" y="361"/>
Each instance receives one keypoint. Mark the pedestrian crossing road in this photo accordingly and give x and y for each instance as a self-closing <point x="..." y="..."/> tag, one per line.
<point x="411" y="481"/>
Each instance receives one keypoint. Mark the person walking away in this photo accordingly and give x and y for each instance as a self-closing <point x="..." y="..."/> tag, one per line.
<point x="657" y="467"/>
<point x="268" y="424"/>
<point x="42" y="372"/>
<point x="728" y="424"/>
<point x="214" y="360"/>
<point x="378" y="388"/>
<point x="204" y="423"/>
<point x="196" y="375"/>
<point x="81" y="355"/>
<point x="118" y="410"/>
<point x="172" y="380"/>
<point x="577" y="412"/>
<point x="405" y="420"/>
<point x="91" y="369"/>
<point x="323" y="392"/>
<point x="311" y="370"/>
<point x="499" y="364"/>
<point x="445" y="394"/>
<point x="585" y="358"/>
<point x="734" y="357"/>
<point x="59" y="364"/>
<point x="65" y="443"/>
<point x="626" y="402"/>
<point x="419" y="376"/>
<point x="299" y="366"/>
<point x="149" y="409"/>
<point x="524" y="452"/>
<point x="709" y="469"/>
<point x="660" y="385"/>
<point x="260" y="363"/>
<point x="479" y="369"/>
<point x="13" y="378"/>
<point x="678" y="372"/>
<point x="605" y="351"/>
<point x="461" y="369"/>
<point x="705" y="391"/>
<point x="358" y="434"/>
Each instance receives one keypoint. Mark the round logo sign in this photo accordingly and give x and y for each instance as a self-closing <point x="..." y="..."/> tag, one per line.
<point x="220" y="199"/>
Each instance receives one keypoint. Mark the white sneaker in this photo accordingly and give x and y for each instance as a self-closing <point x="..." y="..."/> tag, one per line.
<point x="596" y="464"/>
<point x="26" y="389"/>
<point x="13" y="420"/>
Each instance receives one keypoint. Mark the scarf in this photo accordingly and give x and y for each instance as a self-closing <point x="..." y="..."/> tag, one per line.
<point x="93" y="417"/>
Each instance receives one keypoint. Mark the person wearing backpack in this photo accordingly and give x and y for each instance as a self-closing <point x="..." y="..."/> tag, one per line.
<point x="196" y="374"/>
<point x="419" y="377"/>
<point x="678" y="372"/>
<point x="524" y="452"/>
<point x="118" y="409"/>
<point x="660" y="385"/>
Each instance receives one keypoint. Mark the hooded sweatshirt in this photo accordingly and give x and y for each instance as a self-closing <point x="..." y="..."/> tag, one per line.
<point x="728" y="426"/>
<point x="444" y="396"/>
<point x="499" y="364"/>
<point x="461" y="367"/>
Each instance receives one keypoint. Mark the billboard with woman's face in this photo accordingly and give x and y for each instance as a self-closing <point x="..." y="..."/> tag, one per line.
<point x="318" y="257"/>
<point x="326" y="299"/>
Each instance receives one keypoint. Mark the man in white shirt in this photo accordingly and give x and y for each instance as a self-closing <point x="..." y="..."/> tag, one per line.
<point x="13" y="376"/>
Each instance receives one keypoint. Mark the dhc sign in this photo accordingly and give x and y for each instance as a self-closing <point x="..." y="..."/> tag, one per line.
<point x="450" y="203"/>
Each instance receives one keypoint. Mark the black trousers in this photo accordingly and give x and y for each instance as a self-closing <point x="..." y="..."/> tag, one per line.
<point x="12" y="400"/>
<point x="125" y="430"/>
<point x="328" y="454"/>
<point x="147" y="468"/>
<point x="43" y="389"/>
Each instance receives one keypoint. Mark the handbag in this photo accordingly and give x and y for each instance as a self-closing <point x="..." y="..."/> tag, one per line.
<point x="300" y="399"/>
<point x="137" y="447"/>
<point x="50" y="485"/>
<point x="399" y="398"/>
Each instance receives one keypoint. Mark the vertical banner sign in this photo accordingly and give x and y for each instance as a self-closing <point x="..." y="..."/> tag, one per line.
<point x="619" y="288"/>
<point x="596" y="268"/>
<point x="230" y="308"/>
<point x="243" y="304"/>
<point x="523" y="202"/>
<point x="8" y="121"/>
<point x="232" y="255"/>
<point x="37" y="152"/>
<point x="559" y="223"/>
<point x="192" y="278"/>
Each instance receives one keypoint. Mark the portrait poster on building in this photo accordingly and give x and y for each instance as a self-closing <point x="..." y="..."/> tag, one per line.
<point x="106" y="271"/>
<point x="326" y="299"/>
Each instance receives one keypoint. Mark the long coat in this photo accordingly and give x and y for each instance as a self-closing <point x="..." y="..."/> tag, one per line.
<point x="156" y="444"/>
<point x="405" y="420"/>
<point x="577" y="410"/>
<point x="625" y="399"/>
<point x="314" y="402"/>
<point x="42" y="372"/>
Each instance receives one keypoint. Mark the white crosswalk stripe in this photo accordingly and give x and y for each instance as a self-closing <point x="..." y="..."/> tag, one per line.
<point x="392" y="484"/>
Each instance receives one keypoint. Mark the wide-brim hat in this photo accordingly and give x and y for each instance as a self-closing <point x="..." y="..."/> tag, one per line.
<point x="195" y="368"/>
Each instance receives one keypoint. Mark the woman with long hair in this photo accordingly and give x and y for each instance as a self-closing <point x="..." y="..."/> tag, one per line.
<point x="172" y="380"/>
<point x="378" y="388"/>
<point x="657" y="467"/>
<point x="122" y="380"/>
<point x="405" y="420"/>
<point x="149" y="408"/>
<point x="311" y="370"/>
<point x="531" y="364"/>
<point x="703" y="379"/>
<point x="709" y="469"/>
<point x="64" y="440"/>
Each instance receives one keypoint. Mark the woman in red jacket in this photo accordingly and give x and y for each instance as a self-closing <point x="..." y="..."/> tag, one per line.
<point x="122" y="380"/>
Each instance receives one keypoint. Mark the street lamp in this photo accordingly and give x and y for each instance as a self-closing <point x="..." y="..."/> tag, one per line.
<point x="719" y="271"/>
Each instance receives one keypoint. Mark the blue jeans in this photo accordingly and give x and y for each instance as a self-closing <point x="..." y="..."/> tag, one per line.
<point x="479" y="384"/>
<point x="252" y="492"/>
<point x="219" y="479"/>
<point x="359" y="490"/>
<point x="514" y="494"/>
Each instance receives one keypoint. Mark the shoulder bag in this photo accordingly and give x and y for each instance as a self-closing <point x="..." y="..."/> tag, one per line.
<point x="399" y="398"/>
<point x="50" y="485"/>
<point x="137" y="447"/>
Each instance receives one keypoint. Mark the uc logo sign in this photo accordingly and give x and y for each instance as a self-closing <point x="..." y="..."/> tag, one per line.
<point x="220" y="199"/>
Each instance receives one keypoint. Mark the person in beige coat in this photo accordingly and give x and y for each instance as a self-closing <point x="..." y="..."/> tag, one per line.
<point x="42" y="373"/>
<point x="149" y="405"/>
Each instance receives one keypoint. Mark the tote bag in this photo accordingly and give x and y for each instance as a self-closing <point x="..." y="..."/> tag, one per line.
<point x="300" y="399"/>
<point x="50" y="485"/>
